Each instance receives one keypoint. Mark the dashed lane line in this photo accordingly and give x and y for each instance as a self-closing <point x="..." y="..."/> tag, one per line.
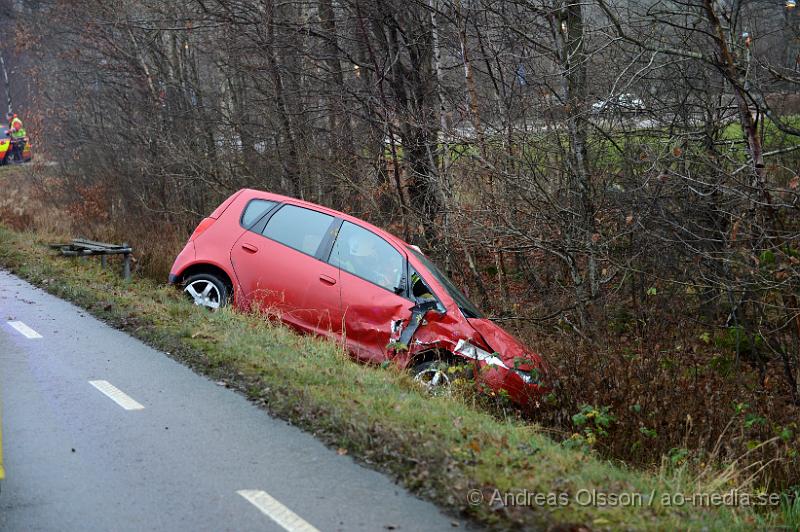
<point x="117" y="395"/>
<point x="290" y="521"/>
<point x="24" y="330"/>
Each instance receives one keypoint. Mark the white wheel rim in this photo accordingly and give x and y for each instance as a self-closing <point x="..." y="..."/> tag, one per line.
<point x="433" y="379"/>
<point x="203" y="293"/>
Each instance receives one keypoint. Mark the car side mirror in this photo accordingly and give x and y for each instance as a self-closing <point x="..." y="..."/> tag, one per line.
<point x="423" y="307"/>
<point x="428" y="305"/>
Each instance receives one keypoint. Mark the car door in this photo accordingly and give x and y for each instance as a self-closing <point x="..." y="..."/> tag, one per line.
<point x="373" y="287"/>
<point x="279" y="268"/>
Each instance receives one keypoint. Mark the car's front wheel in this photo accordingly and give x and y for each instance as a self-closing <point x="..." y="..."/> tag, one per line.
<point x="206" y="290"/>
<point x="436" y="376"/>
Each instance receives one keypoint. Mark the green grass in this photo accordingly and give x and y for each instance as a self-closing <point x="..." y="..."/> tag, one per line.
<point x="772" y="134"/>
<point x="440" y="448"/>
<point x="790" y="513"/>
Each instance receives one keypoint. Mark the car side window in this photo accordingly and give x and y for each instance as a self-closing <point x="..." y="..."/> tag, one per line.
<point x="420" y="290"/>
<point x="254" y="210"/>
<point x="299" y="228"/>
<point x="365" y="254"/>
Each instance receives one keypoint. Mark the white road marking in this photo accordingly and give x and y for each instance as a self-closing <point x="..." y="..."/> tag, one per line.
<point x="24" y="330"/>
<point x="117" y="395"/>
<point x="279" y="513"/>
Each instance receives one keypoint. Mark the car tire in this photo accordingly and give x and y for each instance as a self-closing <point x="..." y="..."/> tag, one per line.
<point x="207" y="290"/>
<point x="434" y="376"/>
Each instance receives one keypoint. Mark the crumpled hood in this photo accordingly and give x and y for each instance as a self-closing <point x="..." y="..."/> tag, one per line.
<point x="505" y="345"/>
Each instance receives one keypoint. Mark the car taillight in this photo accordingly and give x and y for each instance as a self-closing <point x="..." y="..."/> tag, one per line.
<point x="201" y="227"/>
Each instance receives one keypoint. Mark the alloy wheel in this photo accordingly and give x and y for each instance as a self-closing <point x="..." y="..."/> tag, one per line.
<point x="204" y="293"/>
<point x="434" y="378"/>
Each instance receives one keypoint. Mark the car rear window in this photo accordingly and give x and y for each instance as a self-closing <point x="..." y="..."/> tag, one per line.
<point x="298" y="228"/>
<point x="254" y="210"/>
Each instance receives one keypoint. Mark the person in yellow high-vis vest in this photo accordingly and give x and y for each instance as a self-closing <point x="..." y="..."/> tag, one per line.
<point x="17" y="133"/>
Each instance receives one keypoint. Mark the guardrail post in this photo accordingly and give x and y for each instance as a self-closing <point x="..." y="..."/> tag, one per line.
<point x="126" y="265"/>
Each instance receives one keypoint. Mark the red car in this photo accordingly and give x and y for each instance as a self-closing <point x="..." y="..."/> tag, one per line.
<point x="328" y="273"/>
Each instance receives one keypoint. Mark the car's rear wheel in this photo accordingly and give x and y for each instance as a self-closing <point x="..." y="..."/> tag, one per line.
<point x="206" y="290"/>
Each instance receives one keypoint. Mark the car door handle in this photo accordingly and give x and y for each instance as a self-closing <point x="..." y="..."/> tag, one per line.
<point x="250" y="248"/>
<point x="327" y="279"/>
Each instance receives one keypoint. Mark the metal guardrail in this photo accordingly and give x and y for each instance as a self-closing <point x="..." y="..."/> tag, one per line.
<point x="85" y="248"/>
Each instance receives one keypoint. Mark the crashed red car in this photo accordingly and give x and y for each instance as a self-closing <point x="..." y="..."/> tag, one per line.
<point x="328" y="273"/>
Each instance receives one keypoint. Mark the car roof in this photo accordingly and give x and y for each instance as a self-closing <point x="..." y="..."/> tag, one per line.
<point x="249" y="193"/>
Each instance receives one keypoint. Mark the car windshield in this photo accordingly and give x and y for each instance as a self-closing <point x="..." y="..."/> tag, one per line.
<point x="467" y="307"/>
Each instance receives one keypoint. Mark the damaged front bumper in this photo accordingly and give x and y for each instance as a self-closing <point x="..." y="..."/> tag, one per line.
<point x="436" y="331"/>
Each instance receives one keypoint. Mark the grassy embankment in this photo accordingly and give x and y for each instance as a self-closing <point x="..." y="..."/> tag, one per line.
<point x="438" y="447"/>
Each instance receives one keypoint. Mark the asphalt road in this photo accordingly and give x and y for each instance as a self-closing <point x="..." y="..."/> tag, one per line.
<point x="101" y="432"/>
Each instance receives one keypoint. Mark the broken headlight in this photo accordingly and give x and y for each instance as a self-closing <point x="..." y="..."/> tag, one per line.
<point x="524" y="375"/>
<point x="474" y="352"/>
